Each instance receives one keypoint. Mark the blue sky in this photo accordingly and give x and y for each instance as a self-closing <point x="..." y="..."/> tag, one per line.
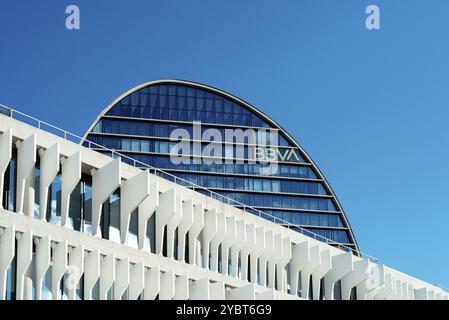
<point x="370" y="106"/>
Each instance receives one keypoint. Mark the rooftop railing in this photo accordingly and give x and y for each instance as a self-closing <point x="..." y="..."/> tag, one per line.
<point x="15" y="114"/>
<point x="442" y="287"/>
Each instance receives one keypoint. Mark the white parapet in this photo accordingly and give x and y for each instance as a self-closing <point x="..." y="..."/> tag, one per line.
<point x="146" y="210"/>
<point x="217" y="239"/>
<point x="265" y="256"/>
<point x="369" y="288"/>
<point x="411" y="292"/>
<point x="237" y="246"/>
<point x="255" y="254"/>
<point x="208" y="233"/>
<point x="342" y="264"/>
<point x="387" y="289"/>
<point x="59" y="267"/>
<point x="405" y="291"/>
<point x="166" y="210"/>
<point x="275" y="257"/>
<point x="281" y="272"/>
<point x="132" y="193"/>
<point x="152" y="283"/>
<point x="49" y="165"/>
<point x="217" y="290"/>
<point x="172" y="225"/>
<point x="267" y="295"/>
<point x="137" y="281"/>
<point x="92" y="272"/>
<point x="26" y="159"/>
<point x="248" y="248"/>
<point x="70" y="177"/>
<point x="323" y="268"/>
<point x="194" y="232"/>
<point x="310" y="267"/>
<point x="184" y="227"/>
<point x="24" y="257"/>
<point x="181" y="288"/>
<point x="104" y="182"/>
<point x="300" y="258"/>
<point x="230" y="238"/>
<point x="167" y="291"/>
<point x="76" y="269"/>
<point x="247" y="292"/>
<point x="352" y="279"/>
<point x="199" y="289"/>
<point x="122" y="278"/>
<point x="7" y="252"/>
<point x="43" y="262"/>
<point x="107" y="277"/>
<point x="398" y="294"/>
<point x="421" y="294"/>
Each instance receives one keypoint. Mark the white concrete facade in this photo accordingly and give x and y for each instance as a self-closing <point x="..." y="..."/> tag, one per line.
<point x="231" y="253"/>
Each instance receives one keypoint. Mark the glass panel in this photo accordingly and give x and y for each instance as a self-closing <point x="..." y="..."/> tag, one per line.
<point x="314" y="219"/>
<point x="54" y="202"/>
<point x="135" y="145"/>
<point x="87" y="208"/>
<point x="114" y="217"/>
<point x="75" y="205"/>
<point x="133" y="227"/>
<point x="276" y="186"/>
<point x="145" y="146"/>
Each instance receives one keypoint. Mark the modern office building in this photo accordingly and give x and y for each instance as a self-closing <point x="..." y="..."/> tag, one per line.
<point x="141" y="122"/>
<point x="78" y="224"/>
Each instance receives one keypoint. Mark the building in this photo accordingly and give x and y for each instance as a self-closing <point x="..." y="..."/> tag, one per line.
<point x="78" y="224"/>
<point x="140" y="124"/>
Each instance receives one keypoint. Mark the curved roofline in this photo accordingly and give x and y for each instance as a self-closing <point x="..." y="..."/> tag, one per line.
<point x="245" y="104"/>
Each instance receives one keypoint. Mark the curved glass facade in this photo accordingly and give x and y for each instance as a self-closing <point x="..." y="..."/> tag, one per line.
<point x="141" y="125"/>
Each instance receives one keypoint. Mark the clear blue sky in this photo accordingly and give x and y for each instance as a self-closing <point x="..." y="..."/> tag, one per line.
<point x="370" y="107"/>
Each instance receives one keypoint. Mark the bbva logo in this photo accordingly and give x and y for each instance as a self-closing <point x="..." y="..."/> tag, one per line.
<point x="276" y="154"/>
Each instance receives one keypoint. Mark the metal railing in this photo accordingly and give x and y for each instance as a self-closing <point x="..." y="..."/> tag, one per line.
<point x="12" y="113"/>
<point x="442" y="287"/>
